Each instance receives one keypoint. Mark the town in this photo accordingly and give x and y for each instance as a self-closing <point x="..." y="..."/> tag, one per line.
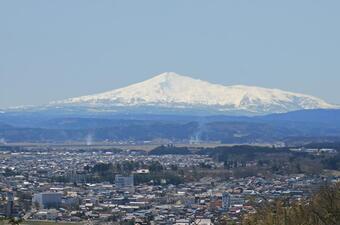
<point x="85" y="185"/>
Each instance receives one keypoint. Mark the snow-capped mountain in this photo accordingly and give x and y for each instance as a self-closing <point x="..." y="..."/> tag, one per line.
<point x="172" y="91"/>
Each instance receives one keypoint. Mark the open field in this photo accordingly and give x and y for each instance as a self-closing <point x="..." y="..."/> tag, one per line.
<point x="103" y="146"/>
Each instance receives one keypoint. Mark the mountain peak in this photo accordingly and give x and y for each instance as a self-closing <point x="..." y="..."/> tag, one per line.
<point x="171" y="90"/>
<point x="168" y="75"/>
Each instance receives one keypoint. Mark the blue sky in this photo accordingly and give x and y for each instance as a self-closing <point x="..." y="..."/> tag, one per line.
<point x="52" y="50"/>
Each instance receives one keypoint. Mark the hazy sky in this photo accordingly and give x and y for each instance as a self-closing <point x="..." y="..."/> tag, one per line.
<point x="51" y="50"/>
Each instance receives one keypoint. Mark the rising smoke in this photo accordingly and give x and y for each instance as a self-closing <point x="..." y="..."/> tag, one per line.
<point x="3" y="141"/>
<point x="89" y="139"/>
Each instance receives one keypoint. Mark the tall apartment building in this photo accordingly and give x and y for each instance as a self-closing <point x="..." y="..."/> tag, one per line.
<point x="124" y="182"/>
<point x="48" y="199"/>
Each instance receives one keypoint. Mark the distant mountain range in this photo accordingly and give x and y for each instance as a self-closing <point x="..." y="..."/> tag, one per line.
<point x="170" y="93"/>
<point x="176" y="108"/>
<point x="298" y="127"/>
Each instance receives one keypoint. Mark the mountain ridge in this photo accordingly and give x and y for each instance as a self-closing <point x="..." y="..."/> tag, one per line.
<point x="176" y="91"/>
<point x="171" y="93"/>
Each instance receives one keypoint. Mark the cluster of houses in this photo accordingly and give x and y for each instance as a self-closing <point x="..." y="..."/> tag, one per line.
<point x="27" y="191"/>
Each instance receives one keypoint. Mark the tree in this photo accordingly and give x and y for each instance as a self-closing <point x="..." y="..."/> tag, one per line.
<point x="14" y="221"/>
<point x="322" y="209"/>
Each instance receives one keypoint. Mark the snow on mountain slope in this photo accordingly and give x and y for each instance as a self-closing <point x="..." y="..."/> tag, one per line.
<point x="173" y="90"/>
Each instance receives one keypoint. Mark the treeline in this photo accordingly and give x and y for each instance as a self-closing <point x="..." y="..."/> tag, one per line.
<point x="170" y="150"/>
<point x="321" y="209"/>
